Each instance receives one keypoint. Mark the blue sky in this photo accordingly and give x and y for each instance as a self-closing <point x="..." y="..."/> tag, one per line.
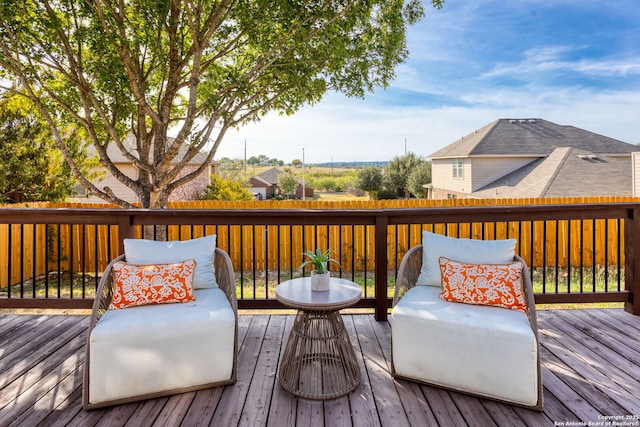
<point x="572" y="62"/>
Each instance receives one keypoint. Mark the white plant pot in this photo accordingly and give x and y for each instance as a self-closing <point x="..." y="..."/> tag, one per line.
<point x="319" y="282"/>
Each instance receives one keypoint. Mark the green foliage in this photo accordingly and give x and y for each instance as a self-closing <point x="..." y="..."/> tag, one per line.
<point x="329" y="184"/>
<point x="233" y="169"/>
<point x="331" y="181"/>
<point x="263" y="160"/>
<point x="370" y="180"/>
<point x="287" y="182"/>
<point x="225" y="189"/>
<point x="319" y="259"/>
<point x="385" y="194"/>
<point x="142" y="67"/>
<point x="418" y="177"/>
<point x="31" y="168"/>
<point x="396" y="174"/>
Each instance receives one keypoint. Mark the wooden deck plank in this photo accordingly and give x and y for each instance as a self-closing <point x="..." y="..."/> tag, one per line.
<point x="582" y="366"/>
<point x="282" y="411"/>
<point x="386" y="397"/>
<point x="175" y="409"/>
<point x="563" y="383"/>
<point x="146" y="413"/>
<point x="630" y="324"/>
<point x="258" y="402"/>
<point x="31" y="334"/>
<point x="472" y="410"/>
<point x="49" y="383"/>
<point x="363" y="406"/>
<point x="599" y="328"/>
<point x="51" y="338"/>
<point x="32" y="375"/>
<point x="233" y="398"/>
<point x="615" y="366"/>
<point x="590" y="369"/>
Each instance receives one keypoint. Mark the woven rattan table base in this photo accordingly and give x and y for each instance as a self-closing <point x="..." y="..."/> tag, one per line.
<point x="319" y="362"/>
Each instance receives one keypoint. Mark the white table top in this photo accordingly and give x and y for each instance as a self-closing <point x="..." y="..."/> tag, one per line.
<point x="297" y="293"/>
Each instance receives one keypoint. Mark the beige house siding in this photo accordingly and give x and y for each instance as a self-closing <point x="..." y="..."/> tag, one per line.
<point x="190" y="191"/>
<point x="635" y="171"/>
<point x="118" y="188"/>
<point x="442" y="173"/>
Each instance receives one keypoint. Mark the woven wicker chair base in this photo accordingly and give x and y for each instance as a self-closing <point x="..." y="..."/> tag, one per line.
<point x="319" y="362"/>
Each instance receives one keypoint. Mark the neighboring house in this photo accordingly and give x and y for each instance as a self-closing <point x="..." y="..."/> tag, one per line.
<point x="189" y="191"/>
<point x="514" y="158"/>
<point x="265" y="185"/>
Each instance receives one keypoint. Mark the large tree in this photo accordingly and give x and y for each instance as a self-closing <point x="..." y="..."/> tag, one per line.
<point x="189" y="68"/>
<point x="420" y="176"/>
<point x="31" y="169"/>
<point x="396" y="174"/>
<point x="370" y="180"/>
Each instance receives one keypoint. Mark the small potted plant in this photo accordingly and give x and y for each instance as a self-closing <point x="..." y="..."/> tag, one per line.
<point x="320" y="274"/>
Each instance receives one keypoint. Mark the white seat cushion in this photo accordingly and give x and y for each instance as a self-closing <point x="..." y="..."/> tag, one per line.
<point x="154" y="348"/>
<point x="488" y="351"/>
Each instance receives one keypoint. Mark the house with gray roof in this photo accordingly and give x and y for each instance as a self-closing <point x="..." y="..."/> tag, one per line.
<point x="265" y="186"/>
<point x="514" y="158"/>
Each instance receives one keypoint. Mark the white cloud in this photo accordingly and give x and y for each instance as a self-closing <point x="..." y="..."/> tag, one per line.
<point x="542" y="60"/>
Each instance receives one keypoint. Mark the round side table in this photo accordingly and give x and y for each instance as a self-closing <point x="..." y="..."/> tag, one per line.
<point x="318" y="362"/>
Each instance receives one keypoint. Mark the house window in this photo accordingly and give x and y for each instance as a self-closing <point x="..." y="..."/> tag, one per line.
<point x="81" y="191"/>
<point x="451" y="196"/>
<point x="457" y="168"/>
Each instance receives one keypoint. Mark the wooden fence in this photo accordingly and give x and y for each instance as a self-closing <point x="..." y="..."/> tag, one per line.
<point x="33" y="250"/>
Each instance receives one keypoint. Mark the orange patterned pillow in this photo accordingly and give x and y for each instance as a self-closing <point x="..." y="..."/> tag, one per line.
<point x="152" y="284"/>
<point x="483" y="284"/>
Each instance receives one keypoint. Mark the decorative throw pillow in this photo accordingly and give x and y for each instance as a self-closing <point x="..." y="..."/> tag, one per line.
<point x="152" y="284"/>
<point x="140" y="251"/>
<point x="483" y="284"/>
<point x="470" y="251"/>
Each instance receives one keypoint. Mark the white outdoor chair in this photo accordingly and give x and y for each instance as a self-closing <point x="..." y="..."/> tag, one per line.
<point x="486" y="351"/>
<point x="150" y="351"/>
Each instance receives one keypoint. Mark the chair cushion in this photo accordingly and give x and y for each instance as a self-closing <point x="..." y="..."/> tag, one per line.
<point x="463" y="250"/>
<point x="155" y="348"/>
<point x="141" y="251"/>
<point x="483" y="350"/>
<point x="498" y="285"/>
<point x="152" y="284"/>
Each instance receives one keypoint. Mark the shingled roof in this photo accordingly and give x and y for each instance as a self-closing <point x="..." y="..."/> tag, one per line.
<point x="270" y="176"/>
<point x="531" y="137"/>
<point x="566" y="172"/>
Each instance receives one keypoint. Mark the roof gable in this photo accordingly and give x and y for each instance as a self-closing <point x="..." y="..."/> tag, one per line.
<point x="566" y="172"/>
<point x="531" y="137"/>
<point x="270" y="175"/>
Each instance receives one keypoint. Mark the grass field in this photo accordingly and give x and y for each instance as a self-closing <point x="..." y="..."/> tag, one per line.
<point x="338" y="197"/>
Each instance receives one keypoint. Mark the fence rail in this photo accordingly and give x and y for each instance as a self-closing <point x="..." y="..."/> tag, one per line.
<point x="571" y="248"/>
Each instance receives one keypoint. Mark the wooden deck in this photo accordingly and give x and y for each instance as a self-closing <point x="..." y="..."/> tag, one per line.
<point x="591" y="371"/>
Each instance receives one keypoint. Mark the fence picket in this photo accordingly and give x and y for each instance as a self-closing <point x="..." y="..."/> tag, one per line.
<point x="591" y="241"/>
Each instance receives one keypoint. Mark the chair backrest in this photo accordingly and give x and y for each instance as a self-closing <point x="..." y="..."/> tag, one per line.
<point x="410" y="270"/>
<point x="224" y="277"/>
